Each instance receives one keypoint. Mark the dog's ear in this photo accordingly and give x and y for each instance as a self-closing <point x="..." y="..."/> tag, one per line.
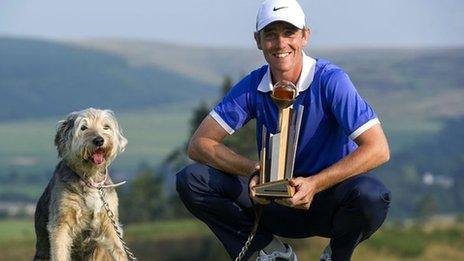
<point x="63" y="133"/>
<point x="122" y="141"/>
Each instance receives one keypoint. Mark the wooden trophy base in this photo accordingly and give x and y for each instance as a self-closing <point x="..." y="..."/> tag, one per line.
<point x="277" y="189"/>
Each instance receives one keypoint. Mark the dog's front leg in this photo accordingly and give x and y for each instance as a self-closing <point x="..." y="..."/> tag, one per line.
<point x="117" y="251"/>
<point x="113" y="243"/>
<point x="60" y="242"/>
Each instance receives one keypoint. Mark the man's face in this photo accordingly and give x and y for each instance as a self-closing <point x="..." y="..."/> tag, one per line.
<point x="282" y="45"/>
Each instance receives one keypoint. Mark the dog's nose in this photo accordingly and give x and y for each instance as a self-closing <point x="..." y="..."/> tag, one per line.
<point x="98" y="141"/>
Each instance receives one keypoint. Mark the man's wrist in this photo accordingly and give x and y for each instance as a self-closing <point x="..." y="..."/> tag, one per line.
<point x="254" y="169"/>
<point x="319" y="180"/>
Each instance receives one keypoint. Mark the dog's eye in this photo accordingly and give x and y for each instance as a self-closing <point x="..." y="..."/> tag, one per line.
<point x="106" y="127"/>
<point x="83" y="128"/>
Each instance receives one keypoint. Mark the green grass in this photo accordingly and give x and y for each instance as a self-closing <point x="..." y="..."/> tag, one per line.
<point x="12" y="231"/>
<point x="28" y="190"/>
<point x="31" y="139"/>
<point x="167" y="230"/>
<point x="152" y="134"/>
<point x="394" y="241"/>
<point x="412" y="241"/>
<point x="27" y="146"/>
<point x="15" y="231"/>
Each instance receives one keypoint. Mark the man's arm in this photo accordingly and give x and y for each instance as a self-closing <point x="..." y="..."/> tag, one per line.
<point x="372" y="152"/>
<point x="206" y="147"/>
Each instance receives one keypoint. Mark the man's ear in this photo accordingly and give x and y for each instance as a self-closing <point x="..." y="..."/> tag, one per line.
<point x="258" y="40"/>
<point x="306" y="35"/>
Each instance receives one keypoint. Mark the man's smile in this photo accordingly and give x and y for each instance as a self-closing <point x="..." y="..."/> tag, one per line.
<point x="281" y="54"/>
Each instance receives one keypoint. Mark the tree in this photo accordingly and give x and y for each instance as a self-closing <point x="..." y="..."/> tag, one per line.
<point x="144" y="199"/>
<point x="426" y="207"/>
<point x="199" y="113"/>
<point x="244" y="140"/>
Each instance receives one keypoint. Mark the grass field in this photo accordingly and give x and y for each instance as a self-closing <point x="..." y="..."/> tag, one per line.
<point x="191" y="240"/>
<point x="27" y="146"/>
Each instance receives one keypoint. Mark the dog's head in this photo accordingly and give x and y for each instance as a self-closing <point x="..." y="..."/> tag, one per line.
<point x="90" y="137"/>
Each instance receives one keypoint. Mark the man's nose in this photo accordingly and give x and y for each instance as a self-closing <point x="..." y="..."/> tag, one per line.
<point x="280" y="41"/>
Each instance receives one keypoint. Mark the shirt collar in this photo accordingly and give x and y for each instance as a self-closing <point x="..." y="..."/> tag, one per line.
<point x="306" y="76"/>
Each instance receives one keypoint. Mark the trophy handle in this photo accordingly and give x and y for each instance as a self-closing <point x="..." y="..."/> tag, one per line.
<point x="275" y="189"/>
<point x="294" y="133"/>
<point x="263" y="157"/>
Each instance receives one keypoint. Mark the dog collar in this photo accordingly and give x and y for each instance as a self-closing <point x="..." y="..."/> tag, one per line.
<point x="89" y="182"/>
<point x="101" y="184"/>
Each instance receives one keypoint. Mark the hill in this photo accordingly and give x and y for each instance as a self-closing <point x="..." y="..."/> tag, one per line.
<point x="412" y="90"/>
<point x="42" y="78"/>
<point x="153" y="87"/>
<point x="427" y="178"/>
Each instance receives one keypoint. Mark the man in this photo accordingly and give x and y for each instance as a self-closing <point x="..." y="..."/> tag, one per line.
<point x="340" y="140"/>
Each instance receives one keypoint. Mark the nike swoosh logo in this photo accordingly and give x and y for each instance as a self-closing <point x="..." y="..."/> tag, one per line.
<point x="282" y="7"/>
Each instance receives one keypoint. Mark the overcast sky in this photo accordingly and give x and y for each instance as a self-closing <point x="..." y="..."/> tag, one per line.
<point x="334" y="23"/>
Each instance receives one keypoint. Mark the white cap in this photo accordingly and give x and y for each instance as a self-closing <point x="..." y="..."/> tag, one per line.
<point x="280" y="10"/>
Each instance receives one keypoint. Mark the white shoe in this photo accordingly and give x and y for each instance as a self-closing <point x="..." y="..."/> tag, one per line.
<point x="288" y="255"/>
<point x="326" y="254"/>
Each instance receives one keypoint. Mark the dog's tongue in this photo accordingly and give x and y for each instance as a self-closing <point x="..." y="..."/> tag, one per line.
<point x="98" y="157"/>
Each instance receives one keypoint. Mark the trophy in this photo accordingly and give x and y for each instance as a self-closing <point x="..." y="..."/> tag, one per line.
<point x="277" y="155"/>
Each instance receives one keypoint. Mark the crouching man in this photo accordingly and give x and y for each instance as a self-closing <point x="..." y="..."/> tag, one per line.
<point x="340" y="141"/>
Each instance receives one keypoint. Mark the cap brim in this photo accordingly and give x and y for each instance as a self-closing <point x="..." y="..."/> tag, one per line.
<point x="278" y="19"/>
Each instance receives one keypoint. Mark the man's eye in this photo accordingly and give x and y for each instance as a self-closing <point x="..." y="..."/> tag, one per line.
<point x="289" y="33"/>
<point x="269" y="35"/>
<point x="106" y="127"/>
<point x="83" y="128"/>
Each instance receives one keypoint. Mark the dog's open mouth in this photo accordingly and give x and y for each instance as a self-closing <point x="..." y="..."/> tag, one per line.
<point x="98" y="157"/>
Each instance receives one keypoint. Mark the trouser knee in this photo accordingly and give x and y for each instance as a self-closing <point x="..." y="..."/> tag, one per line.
<point x="190" y="183"/>
<point x="372" y="199"/>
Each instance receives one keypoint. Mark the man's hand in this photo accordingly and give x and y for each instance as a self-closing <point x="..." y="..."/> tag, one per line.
<point x="305" y="189"/>
<point x="259" y="200"/>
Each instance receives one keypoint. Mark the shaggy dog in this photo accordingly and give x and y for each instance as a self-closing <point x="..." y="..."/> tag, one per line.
<point x="71" y="222"/>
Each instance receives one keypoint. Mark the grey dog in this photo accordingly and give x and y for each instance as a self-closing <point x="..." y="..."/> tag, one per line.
<point x="70" y="220"/>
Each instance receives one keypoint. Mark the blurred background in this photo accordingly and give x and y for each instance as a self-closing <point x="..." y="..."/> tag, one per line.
<point x="161" y="66"/>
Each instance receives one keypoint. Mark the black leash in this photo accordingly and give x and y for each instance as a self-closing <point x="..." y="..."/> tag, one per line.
<point x="258" y="209"/>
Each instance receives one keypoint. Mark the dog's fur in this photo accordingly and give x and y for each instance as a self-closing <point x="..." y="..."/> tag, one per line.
<point x="70" y="220"/>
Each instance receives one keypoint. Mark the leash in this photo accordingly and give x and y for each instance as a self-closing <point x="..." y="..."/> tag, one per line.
<point x="258" y="209"/>
<point x="100" y="186"/>
<point x="110" y="214"/>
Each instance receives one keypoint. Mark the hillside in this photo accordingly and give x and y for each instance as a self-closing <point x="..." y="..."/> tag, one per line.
<point x="41" y="78"/>
<point x="153" y="88"/>
<point x="427" y="178"/>
<point x="412" y="90"/>
<point x="205" y="64"/>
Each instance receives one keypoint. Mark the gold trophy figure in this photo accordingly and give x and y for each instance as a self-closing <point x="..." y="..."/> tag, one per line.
<point x="277" y="155"/>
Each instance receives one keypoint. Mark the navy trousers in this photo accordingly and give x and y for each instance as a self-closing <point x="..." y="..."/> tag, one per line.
<point x="347" y="213"/>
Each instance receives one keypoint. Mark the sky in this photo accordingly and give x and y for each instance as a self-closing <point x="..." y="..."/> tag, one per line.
<point x="217" y="23"/>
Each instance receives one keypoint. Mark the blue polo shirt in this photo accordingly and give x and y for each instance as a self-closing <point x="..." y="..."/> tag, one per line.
<point x="334" y="113"/>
